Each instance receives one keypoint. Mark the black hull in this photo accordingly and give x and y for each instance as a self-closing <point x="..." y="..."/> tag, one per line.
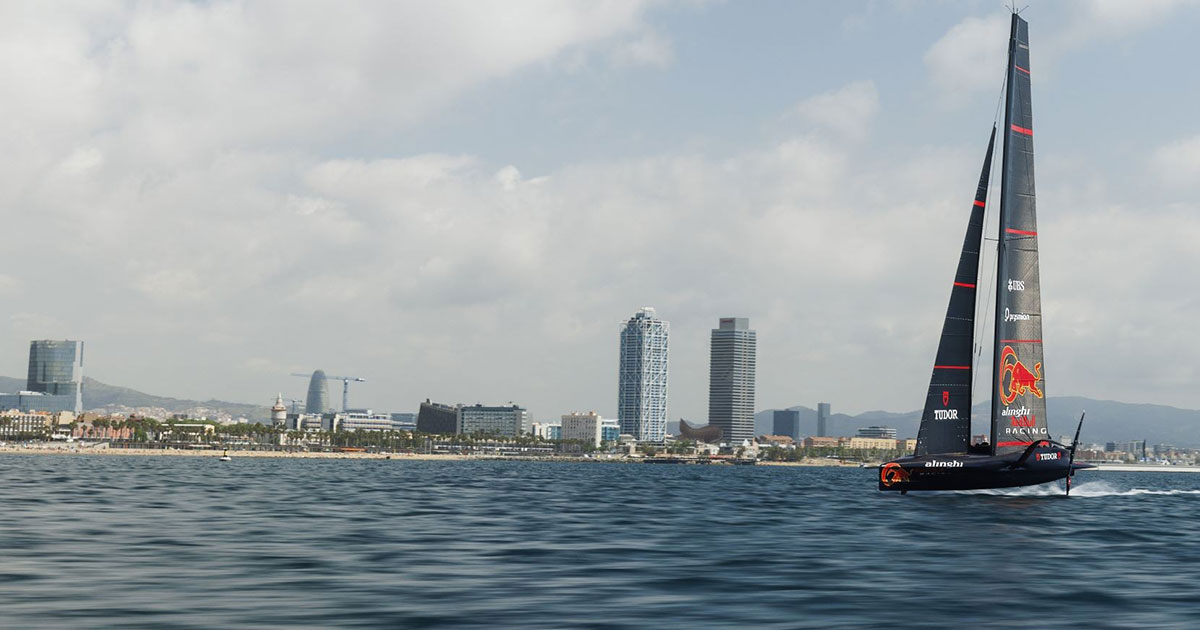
<point x="960" y="471"/>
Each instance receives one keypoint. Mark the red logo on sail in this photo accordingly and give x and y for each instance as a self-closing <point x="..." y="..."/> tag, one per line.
<point x="892" y="473"/>
<point x="945" y="398"/>
<point x="1021" y="380"/>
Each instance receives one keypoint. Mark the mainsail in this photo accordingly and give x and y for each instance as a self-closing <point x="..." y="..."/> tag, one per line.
<point x="1018" y="393"/>
<point x="946" y="421"/>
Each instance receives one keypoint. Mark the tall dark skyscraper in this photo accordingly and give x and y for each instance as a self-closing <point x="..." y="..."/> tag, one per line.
<point x="56" y="369"/>
<point x="822" y="419"/>
<point x="786" y="422"/>
<point x="318" y="393"/>
<point x="731" y="379"/>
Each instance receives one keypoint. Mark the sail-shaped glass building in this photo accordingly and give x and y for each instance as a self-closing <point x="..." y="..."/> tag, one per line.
<point x="642" y="379"/>
<point x="318" y="393"/>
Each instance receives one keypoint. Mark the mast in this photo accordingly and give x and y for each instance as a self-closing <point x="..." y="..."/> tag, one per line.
<point x="946" y="420"/>
<point x="1018" y="396"/>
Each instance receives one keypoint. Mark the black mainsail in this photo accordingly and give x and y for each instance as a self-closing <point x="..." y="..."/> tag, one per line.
<point x="1018" y="394"/>
<point x="946" y="421"/>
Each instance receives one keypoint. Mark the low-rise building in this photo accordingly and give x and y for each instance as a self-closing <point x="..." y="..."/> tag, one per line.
<point x="507" y="421"/>
<point x="404" y="421"/>
<point x="587" y="427"/>
<point x="610" y="430"/>
<point x="820" y="441"/>
<point x="547" y="430"/>
<point x="784" y="441"/>
<point x="873" y="444"/>
<point x="15" y="423"/>
<point x="361" y="420"/>
<point x="309" y="422"/>
<point x="437" y="419"/>
<point x="887" y="433"/>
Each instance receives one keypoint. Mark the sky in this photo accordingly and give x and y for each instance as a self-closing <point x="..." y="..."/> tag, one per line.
<point x="462" y="201"/>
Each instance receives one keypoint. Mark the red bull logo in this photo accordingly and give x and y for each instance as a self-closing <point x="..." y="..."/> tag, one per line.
<point x="1021" y="380"/>
<point x="892" y="473"/>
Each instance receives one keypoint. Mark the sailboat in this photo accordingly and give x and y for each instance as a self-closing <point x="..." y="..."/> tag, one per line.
<point x="1020" y="451"/>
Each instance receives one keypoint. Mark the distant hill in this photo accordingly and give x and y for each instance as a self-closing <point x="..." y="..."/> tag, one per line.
<point x="1107" y="421"/>
<point x="97" y="395"/>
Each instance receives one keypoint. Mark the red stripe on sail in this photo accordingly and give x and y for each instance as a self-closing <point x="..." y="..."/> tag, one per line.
<point x="1021" y="232"/>
<point x="1020" y="341"/>
<point x="951" y="367"/>
<point x="1021" y="69"/>
<point x="964" y="284"/>
<point x="980" y="204"/>
<point x="1020" y="129"/>
<point x="1003" y="444"/>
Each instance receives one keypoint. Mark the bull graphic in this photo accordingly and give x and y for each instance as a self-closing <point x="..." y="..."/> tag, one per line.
<point x="892" y="473"/>
<point x="1021" y="381"/>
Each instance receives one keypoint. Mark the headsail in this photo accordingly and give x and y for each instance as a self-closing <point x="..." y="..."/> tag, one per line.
<point x="946" y="421"/>
<point x="1018" y="392"/>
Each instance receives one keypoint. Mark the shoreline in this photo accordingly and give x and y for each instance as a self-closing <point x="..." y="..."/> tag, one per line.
<point x="236" y="453"/>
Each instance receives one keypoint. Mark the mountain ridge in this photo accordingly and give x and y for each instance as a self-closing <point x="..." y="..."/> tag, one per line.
<point x="98" y="395"/>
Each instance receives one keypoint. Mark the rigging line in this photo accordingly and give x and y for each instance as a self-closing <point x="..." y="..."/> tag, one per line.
<point x="987" y="211"/>
<point x="988" y="296"/>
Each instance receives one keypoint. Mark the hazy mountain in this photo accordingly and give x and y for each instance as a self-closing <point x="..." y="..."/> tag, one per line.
<point x="1107" y="421"/>
<point x="97" y="395"/>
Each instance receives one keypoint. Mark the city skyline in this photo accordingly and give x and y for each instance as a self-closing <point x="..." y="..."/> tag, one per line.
<point x="467" y="217"/>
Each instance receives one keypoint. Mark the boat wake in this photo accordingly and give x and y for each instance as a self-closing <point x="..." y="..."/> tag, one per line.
<point x="1091" y="489"/>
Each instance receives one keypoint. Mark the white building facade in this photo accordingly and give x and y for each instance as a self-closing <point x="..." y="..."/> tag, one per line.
<point x="587" y="427"/>
<point x="642" y="379"/>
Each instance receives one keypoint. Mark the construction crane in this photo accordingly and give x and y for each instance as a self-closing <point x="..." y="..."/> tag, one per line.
<point x="294" y="401"/>
<point x="346" y="380"/>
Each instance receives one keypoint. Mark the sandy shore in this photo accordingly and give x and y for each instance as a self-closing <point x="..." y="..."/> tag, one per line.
<point x="74" y="450"/>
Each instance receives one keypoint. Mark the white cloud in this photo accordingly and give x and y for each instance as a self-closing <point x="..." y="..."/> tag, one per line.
<point x="1178" y="164"/>
<point x="647" y="49"/>
<point x="969" y="57"/>
<point x="846" y="111"/>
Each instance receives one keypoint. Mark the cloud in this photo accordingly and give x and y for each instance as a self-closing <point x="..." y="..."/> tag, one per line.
<point x="1177" y="164"/>
<point x="648" y="49"/>
<point x="969" y="57"/>
<point x="194" y="176"/>
<point x="847" y="111"/>
<point x="1094" y="20"/>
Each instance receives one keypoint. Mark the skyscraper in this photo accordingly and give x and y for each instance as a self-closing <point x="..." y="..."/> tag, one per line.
<point x="731" y="379"/>
<point x="318" y="393"/>
<point x="642" y="381"/>
<point x="56" y="369"/>
<point x="822" y="419"/>
<point x="786" y="422"/>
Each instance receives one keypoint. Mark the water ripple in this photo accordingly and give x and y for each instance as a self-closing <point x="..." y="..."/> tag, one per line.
<point x="162" y="542"/>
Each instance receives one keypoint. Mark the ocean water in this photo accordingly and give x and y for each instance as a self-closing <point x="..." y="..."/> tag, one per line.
<point x="182" y="542"/>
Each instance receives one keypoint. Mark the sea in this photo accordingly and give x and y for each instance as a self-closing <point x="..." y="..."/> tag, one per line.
<point x="189" y="542"/>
